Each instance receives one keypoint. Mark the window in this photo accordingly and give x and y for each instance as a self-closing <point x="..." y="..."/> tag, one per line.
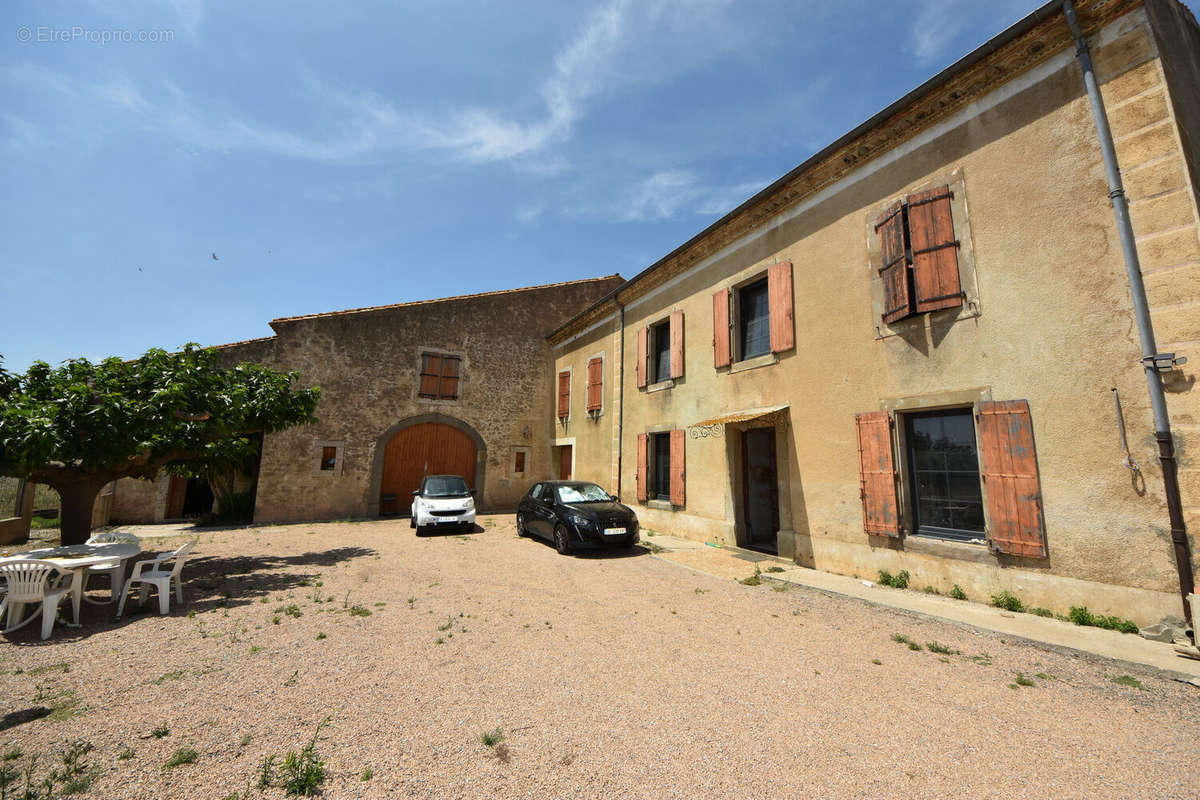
<point x="564" y="395"/>
<point x="918" y="255"/>
<point x="755" y="318"/>
<point x="440" y="374"/>
<point x="945" y="471"/>
<point x="947" y="498"/>
<point x="519" y="462"/>
<point x="328" y="458"/>
<point x="660" y="466"/>
<point x="660" y="351"/>
<point x="754" y="321"/>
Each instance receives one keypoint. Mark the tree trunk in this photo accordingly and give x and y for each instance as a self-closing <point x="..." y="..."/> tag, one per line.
<point x="75" y="517"/>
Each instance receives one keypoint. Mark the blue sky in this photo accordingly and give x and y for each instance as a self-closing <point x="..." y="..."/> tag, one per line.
<point x="342" y="155"/>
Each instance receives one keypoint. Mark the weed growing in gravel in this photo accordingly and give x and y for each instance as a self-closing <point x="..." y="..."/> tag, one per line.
<point x="876" y="661"/>
<point x="448" y="625"/>
<point x="320" y="635"/>
<point x="292" y="680"/>
<point x="957" y="593"/>
<point x="1128" y="680"/>
<point x="126" y="753"/>
<point x="73" y="776"/>
<point x="160" y="731"/>
<point x="652" y="547"/>
<point x="367" y="774"/>
<point x="359" y="611"/>
<point x="255" y="648"/>
<point x="62" y="703"/>
<point x="1045" y="676"/>
<point x="62" y="666"/>
<point x="275" y="620"/>
<point x="412" y="602"/>
<point x="897" y="581"/>
<point x="167" y="676"/>
<point x="698" y="590"/>
<point x="1041" y="612"/>
<point x="941" y="649"/>
<point x="1008" y="601"/>
<point x="245" y="740"/>
<point x="775" y="568"/>
<point x="900" y="638"/>
<point x="292" y="611"/>
<point x="753" y="580"/>
<point x="1021" y="680"/>
<point x="301" y="773"/>
<point x="184" y="755"/>
<point x="492" y="738"/>
<point x="982" y="659"/>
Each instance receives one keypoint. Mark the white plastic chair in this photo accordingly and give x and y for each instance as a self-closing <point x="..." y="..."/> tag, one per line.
<point x="34" y="581"/>
<point x="148" y="574"/>
<point x="115" y="569"/>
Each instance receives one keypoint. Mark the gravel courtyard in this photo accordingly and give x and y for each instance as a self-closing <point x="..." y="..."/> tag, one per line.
<point x="609" y="675"/>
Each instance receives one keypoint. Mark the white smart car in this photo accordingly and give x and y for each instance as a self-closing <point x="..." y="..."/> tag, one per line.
<point x="443" y="501"/>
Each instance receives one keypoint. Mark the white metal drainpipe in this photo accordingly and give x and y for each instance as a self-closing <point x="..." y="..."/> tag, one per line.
<point x="1151" y="359"/>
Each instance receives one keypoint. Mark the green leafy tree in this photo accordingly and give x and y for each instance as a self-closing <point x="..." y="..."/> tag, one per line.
<point x="78" y="426"/>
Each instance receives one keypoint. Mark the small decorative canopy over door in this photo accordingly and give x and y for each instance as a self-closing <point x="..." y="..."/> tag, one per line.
<point x="676" y="344"/>
<point x="934" y="250"/>
<point x="678" y="471"/>
<point x="595" y="384"/>
<point x="721" y="330"/>
<point x="643" y="442"/>
<point x="877" y="474"/>
<point x="779" y="290"/>
<point x="1010" y="473"/>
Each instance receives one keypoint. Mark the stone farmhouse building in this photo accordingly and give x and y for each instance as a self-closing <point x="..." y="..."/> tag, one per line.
<point x="918" y="350"/>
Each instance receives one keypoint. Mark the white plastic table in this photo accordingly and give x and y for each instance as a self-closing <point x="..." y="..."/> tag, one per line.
<point x="76" y="558"/>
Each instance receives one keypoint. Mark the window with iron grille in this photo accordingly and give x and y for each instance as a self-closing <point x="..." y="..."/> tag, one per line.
<point x="440" y="374"/>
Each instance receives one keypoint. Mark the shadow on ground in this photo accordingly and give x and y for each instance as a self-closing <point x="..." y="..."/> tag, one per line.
<point x="210" y="584"/>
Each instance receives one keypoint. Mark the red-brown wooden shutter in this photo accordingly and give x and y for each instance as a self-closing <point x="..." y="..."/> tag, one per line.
<point x="449" y="383"/>
<point x="893" y="268"/>
<point x="779" y="297"/>
<point x="877" y="474"/>
<point x="678" y="470"/>
<point x="1010" y="474"/>
<point x="676" y="344"/>
<point x="934" y="250"/>
<point x="595" y="384"/>
<point x="431" y="374"/>
<point x="643" y="462"/>
<point x="564" y="395"/>
<point x="643" y="354"/>
<point x="721" y="328"/>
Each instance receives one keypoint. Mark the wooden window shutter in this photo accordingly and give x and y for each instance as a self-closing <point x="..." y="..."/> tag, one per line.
<point x="676" y="344"/>
<point x="595" y="384"/>
<point x="643" y="463"/>
<point x="893" y="269"/>
<point x="934" y="250"/>
<point x="779" y="294"/>
<point x="721" y="332"/>
<point x="1010" y="474"/>
<point x="643" y="354"/>
<point x="877" y="474"/>
<point x="431" y="375"/>
<point x="678" y="471"/>
<point x="450" y="372"/>
<point x="564" y="395"/>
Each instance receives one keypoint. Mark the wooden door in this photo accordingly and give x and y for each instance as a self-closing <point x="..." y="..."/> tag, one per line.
<point x="176" y="494"/>
<point x="430" y="448"/>
<point x="564" y="463"/>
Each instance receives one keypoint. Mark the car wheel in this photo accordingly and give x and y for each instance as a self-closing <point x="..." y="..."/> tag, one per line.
<point x="562" y="541"/>
<point x="521" y="525"/>
<point x="412" y="521"/>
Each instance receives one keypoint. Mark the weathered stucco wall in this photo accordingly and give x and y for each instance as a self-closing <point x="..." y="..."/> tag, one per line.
<point x="1054" y="326"/>
<point x="593" y="434"/>
<point x="367" y="365"/>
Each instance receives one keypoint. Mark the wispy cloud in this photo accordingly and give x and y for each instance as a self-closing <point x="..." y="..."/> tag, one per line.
<point x="939" y="24"/>
<point x="672" y="193"/>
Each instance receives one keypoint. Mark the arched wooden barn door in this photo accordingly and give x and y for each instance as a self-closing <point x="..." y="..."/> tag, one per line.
<point x="429" y="448"/>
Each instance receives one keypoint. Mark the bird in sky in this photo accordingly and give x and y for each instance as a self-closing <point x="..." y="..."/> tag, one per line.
<point x="214" y="256"/>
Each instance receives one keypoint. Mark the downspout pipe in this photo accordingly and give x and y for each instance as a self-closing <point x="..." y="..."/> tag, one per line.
<point x="620" y="391"/>
<point x="1141" y="310"/>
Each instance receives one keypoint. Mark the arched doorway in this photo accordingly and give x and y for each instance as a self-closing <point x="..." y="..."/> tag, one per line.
<point x="414" y="451"/>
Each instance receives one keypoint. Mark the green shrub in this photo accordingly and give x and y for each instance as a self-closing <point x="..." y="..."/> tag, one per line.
<point x="957" y="593"/>
<point x="1008" y="601"/>
<point x="1080" y="615"/>
<point x="1041" y="612"/>
<point x="897" y="581"/>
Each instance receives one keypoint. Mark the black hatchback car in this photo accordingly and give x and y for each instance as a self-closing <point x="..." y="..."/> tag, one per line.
<point x="570" y="513"/>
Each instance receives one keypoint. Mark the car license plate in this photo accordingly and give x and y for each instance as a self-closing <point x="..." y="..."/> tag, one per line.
<point x="614" y="531"/>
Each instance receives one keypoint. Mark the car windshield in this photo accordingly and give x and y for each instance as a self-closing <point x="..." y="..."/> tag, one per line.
<point x="445" y="487"/>
<point x="582" y="493"/>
